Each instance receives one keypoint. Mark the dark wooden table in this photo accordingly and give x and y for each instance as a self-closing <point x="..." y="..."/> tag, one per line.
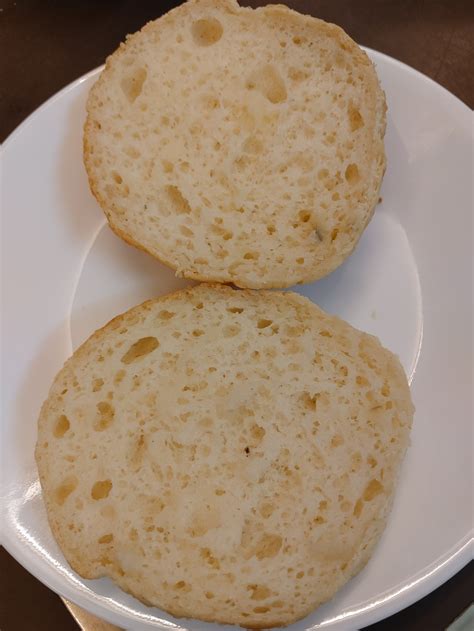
<point x="45" y="44"/>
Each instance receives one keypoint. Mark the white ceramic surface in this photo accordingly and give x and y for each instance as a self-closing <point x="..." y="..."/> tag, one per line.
<point x="410" y="282"/>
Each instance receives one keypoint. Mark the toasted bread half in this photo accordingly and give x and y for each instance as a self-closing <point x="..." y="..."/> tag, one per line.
<point x="224" y="455"/>
<point x="238" y="145"/>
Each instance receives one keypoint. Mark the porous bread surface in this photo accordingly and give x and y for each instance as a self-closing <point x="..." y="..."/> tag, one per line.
<point x="224" y="455"/>
<point x="238" y="145"/>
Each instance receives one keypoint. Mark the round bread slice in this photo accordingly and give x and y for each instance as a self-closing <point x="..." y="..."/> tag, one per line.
<point x="224" y="455"/>
<point x="238" y="145"/>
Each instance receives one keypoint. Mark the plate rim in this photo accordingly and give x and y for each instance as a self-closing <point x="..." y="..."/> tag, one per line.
<point x="423" y="583"/>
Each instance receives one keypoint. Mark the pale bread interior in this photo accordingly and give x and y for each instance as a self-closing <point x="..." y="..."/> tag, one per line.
<point x="224" y="455"/>
<point x="238" y="145"/>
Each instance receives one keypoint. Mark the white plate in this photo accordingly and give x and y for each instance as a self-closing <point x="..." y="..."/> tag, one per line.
<point x="409" y="282"/>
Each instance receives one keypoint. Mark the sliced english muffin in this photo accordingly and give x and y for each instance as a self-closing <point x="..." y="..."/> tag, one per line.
<point x="238" y="145"/>
<point x="224" y="455"/>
